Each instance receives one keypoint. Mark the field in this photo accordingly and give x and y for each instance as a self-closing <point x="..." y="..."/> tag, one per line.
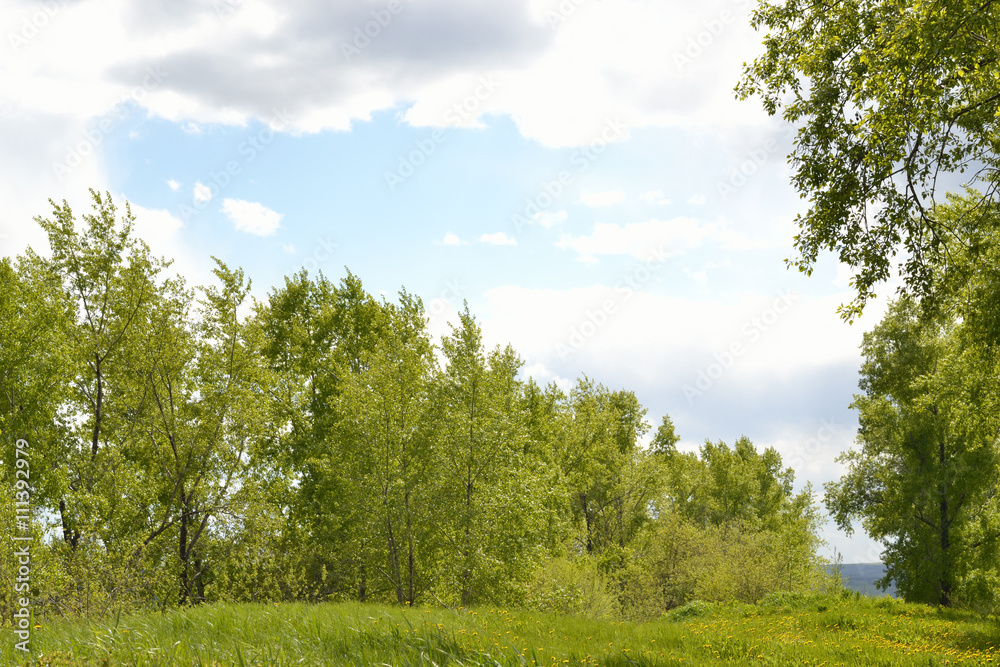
<point x="781" y="630"/>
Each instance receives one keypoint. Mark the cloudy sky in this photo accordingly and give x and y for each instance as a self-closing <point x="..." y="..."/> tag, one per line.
<point x="578" y="170"/>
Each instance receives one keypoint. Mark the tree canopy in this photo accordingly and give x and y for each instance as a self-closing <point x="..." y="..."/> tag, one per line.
<point x="894" y="102"/>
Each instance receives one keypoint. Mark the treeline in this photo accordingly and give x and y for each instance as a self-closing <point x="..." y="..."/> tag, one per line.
<point x="191" y="445"/>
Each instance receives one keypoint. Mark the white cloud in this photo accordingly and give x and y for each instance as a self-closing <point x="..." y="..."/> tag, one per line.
<point x="174" y="185"/>
<point x="202" y="192"/>
<point x="289" y="248"/>
<point x="560" y="85"/>
<point x="543" y="376"/>
<point x="697" y="200"/>
<point x="596" y="199"/>
<point x="497" y="239"/>
<point x="654" y="198"/>
<point x="549" y="218"/>
<point x="252" y="217"/>
<point x="646" y="333"/>
<point x="452" y="239"/>
<point x="639" y="239"/>
<point x="161" y="229"/>
<point x="32" y="145"/>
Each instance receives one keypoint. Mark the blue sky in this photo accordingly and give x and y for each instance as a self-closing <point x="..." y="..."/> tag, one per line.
<point x="578" y="170"/>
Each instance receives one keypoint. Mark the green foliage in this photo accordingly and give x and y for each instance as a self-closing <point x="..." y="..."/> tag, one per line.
<point x="693" y="609"/>
<point x="889" y="99"/>
<point x="728" y="527"/>
<point x="190" y="445"/>
<point x="573" y="587"/>
<point x="925" y="479"/>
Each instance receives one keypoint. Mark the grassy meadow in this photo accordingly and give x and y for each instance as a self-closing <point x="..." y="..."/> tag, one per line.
<point x="784" y="629"/>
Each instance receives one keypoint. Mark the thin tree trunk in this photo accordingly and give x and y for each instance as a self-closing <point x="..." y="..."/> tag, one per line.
<point x="397" y="577"/>
<point x="182" y="552"/>
<point x="98" y="408"/>
<point x="409" y="549"/>
<point x="467" y="574"/>
<point x="70" y="536"/>
<point x="944" y="582"/>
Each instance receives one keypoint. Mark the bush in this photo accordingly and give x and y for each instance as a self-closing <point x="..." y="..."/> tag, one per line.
<point x="693" y="609"/>
<point x="786" y="601"/>
<point x="571" y="586"/>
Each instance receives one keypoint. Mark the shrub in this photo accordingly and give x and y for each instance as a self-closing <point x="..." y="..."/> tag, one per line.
<point x="571" y="586"/>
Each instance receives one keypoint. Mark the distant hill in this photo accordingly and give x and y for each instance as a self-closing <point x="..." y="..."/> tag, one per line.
<point x="861" y="577"/>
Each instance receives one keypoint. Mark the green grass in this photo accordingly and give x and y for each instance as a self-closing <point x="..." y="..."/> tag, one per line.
<point x="781" y="630"/>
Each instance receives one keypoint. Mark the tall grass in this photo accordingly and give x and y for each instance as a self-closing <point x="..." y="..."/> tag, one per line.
<point x="781" y="630"/>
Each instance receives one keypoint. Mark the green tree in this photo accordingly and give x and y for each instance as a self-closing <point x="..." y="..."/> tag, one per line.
<point x="891" y="100"/>
<point x="493" y="520"/>
<point x="728" y="525"/>
<point x="202" y="400"/>
<point x="109" y="279"/>
<point x="924" y="480"/>
<point x="33" y="380"/>
<point x="609" y="480"/>
<point x="384" y="406"/>
<point x="315" y="336"/>
<point x="665" y="440"/>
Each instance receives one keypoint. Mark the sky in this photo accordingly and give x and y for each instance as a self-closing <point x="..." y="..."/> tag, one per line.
<point x="579" y="171"/>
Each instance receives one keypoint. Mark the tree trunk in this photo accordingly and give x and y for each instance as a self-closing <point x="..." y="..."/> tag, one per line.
<point x="182" y="552"/>
<point x="944" y="583"/>
<point x="70" y="536"/>
<point x="98" y="408"/>
<point x="467" y="574"/>
<point x="409" y="550"/>
<point x="397" y="576"/>
<point x="199" y="580"/>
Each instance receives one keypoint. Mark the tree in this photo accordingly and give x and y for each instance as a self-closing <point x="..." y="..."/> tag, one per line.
<point x="924" y="481"/>
<point x="203" y="409"/>
<point x="493" y="508"/>
<point x="315" y="336"/>
<point x="892" y="100"/>
<point x="384" y="407"/>
<point x="728" y="525"/>
<point x="109" y="281"/>
<point x="609" y="480"/>
<point x="665" y="440"/>
<point x="33" y="372"/>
